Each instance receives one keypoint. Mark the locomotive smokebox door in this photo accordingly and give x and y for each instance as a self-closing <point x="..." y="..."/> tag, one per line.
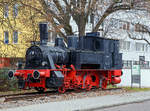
<point x="43" y="33"/>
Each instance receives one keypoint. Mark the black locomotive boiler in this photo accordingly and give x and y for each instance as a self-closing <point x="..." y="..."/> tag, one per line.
<point x="84" y="62"/>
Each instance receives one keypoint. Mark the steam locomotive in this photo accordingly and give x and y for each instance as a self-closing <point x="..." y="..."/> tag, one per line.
<point x="83" y="63"/>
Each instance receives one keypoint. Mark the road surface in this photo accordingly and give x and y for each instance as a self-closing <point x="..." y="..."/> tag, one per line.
<point x="141" y="106"/>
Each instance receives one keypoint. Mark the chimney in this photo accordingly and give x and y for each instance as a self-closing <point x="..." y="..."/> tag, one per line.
<point x="43" y="33"/>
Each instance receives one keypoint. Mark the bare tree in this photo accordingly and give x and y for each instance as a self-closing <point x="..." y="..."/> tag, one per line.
<point x="136" y="17"/>
<point x="61" y="12"/>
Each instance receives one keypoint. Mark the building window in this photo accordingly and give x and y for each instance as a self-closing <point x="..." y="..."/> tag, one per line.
<point x="126" y="26"/>
<point x="140" y="28"/>
<point x="125" y="45"/>
<point x="6" y="11"/>
<point x="6" y="37"/>
<point x="141" y="47"/>
<point x="15" y="37"/>
<point x="15" y="10"/>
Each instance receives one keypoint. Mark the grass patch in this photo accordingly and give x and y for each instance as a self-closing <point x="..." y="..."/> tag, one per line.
<point x="19" y="91"/>
<point x="136" y="89"/>
<point x="111" y="86"/>
<point x="7" y="84"/>
<point x="133" y="89"/>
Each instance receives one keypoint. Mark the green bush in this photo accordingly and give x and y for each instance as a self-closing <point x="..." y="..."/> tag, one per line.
<point x="7" y="84"/>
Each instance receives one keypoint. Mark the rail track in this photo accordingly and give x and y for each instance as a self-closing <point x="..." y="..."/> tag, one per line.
<point x="33" y="95"/>
<point x="26" y="96"/>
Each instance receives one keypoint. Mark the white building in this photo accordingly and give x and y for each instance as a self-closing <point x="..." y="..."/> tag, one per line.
<point x="133" y="51"/>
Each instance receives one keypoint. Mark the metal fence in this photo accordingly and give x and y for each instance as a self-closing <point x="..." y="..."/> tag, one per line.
<point x="127" y="64"/>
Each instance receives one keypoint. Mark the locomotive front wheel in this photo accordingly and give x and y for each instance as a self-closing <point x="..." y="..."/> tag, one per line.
<point x="39" y="89"/>
<point x="61" y="90"/>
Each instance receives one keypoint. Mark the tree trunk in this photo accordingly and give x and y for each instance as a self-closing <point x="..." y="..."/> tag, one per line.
<point x="81" y="26"/>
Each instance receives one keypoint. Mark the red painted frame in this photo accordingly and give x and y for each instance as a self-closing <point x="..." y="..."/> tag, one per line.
<point x="74" y="79"/>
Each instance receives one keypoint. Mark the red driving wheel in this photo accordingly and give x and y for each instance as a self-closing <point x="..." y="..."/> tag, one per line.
<point x="104" y="84"/>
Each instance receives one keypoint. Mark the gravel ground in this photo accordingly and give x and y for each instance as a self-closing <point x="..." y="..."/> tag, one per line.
<point x="60" y="97"/>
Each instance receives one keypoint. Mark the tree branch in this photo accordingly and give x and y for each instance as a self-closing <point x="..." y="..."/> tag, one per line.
<point x="112" y="8"/>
